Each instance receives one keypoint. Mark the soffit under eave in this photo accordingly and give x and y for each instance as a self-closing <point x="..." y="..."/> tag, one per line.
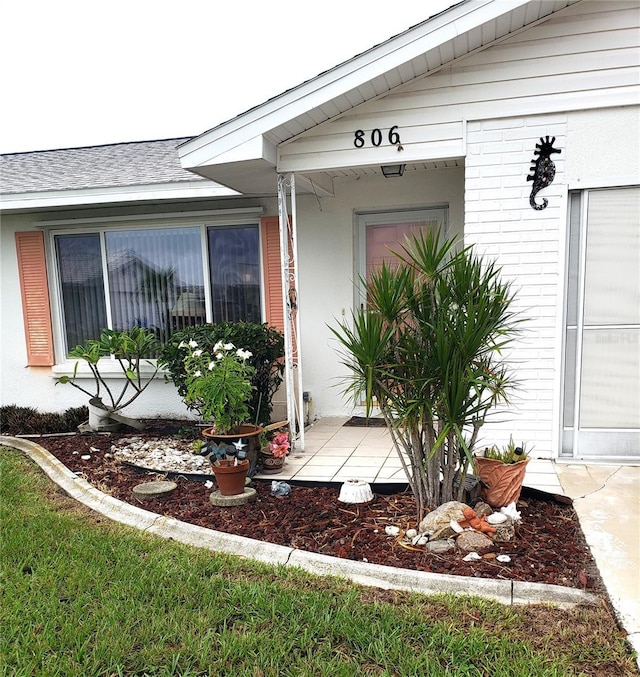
<point x="259" y="178"/>
<point x="424" y="64"/>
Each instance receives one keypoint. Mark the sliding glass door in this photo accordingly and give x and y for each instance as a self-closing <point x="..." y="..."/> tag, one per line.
<point x="601" y="408"/>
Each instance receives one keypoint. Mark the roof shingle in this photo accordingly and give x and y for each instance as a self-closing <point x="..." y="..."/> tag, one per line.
<point x="113" y="165"/>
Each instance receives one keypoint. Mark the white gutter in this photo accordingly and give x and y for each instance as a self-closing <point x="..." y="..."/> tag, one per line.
<point x="115" y="194"/>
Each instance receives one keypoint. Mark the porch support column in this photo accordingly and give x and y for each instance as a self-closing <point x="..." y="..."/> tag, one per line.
<point x="291" y="302"/>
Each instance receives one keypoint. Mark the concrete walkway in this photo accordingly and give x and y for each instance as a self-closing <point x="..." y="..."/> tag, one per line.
<point x="607" y="501"/>
<point x="334" y="453"/>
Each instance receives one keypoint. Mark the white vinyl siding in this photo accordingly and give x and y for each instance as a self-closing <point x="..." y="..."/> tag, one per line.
<point x="527" y="245"/>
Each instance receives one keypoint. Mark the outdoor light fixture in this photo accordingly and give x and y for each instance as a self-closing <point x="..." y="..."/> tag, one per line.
<point x="392" y="170"/>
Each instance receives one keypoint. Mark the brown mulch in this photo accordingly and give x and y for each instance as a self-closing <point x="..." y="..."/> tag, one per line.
<point x="549" y="546"/>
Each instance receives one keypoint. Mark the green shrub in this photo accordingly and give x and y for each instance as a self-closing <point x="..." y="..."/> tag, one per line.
<point x="15" y="420"/>
<point x="265" y="343"/>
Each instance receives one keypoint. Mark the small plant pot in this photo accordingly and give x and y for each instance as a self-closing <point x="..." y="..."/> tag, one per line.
<point x="271" y="465"/>
<point x="502" y="482"/>
<point x="230" y="478"/>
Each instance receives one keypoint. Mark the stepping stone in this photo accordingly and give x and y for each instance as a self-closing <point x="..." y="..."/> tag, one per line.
<point x="158" y="489"/>
<point x="247" y="496"/>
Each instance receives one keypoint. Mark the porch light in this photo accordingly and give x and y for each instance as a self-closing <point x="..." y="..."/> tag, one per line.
<point x="392" y="170"/>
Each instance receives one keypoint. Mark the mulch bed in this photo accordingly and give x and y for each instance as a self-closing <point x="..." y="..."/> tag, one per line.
<point x="549" y="546"/>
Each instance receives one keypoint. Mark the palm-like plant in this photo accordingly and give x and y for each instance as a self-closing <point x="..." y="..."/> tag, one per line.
<point x="427" y="351"/>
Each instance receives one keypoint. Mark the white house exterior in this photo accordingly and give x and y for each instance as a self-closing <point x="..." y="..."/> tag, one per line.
<point x="461" y="101"/>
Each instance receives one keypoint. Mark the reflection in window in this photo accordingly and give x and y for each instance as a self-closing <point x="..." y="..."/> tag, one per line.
<point x="235" y="273"/>
<point x="152" y="273"/>
<point x="81" y="286"/>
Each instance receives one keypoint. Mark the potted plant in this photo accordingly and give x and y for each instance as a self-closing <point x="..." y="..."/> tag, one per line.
<point x="501" y="473"/>
<point x="274" y="448"/>
<point x="219" y="384"/>
<point x="130" y="349"/>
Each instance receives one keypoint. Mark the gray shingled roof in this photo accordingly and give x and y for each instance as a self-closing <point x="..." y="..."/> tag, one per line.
<point x="120" y="164"/>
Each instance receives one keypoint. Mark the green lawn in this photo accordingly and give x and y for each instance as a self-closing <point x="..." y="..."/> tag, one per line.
<point x="82" y="596"/>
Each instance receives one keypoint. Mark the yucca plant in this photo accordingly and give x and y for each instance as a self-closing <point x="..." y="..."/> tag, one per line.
<point x="427" y="351"/>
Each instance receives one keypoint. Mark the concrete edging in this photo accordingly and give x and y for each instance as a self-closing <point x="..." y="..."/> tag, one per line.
<point x="364" y="573"/>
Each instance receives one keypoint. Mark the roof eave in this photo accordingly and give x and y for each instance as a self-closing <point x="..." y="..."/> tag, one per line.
<point x="17" y="202"/>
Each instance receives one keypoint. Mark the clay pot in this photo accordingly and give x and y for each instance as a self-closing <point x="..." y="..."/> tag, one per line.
<point x="271" y="465"/>
<point x="230" y="476"/>
<point x="502" y="482"/>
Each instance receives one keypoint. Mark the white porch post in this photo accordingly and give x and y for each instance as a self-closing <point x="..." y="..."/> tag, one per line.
<point x="290" y="300"/>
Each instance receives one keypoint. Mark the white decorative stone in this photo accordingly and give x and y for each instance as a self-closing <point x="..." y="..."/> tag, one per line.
<point x="503" y="558"/>
<point x="165" y="455"/>
<point x="510" y="511"/>
<point x="355" y="491"/>
<point x="411" y="533"/>
<point x="456" y="526"/>
<point x="497" y="518"/>
<point x="391" y="531"/>
<point x="471" y="557"/>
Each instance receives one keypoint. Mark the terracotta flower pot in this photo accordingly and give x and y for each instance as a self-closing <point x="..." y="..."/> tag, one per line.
<point x="230" y="477"/>
<point x="271" y="465"/>
<point x="502" y="482"/>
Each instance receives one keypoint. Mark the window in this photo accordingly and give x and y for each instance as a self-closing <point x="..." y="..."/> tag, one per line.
<point x="157" y="278"/>
<point x="235" y="274"/>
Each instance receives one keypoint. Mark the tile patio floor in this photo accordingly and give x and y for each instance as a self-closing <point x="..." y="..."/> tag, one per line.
<point x="335" y="453"/>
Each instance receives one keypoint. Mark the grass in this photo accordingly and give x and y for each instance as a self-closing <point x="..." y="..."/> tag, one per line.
<point x="85" y="597"/>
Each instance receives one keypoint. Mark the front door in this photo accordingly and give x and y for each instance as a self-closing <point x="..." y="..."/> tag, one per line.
<point x="380" y="233"/>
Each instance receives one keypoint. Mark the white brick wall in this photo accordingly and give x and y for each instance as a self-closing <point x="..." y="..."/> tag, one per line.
<point x="529" y="246"/>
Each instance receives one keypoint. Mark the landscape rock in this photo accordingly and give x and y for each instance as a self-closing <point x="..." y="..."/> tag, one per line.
<point x="472" y="557"/>
<point x="483" y="509"/>
<point x="437" y="523"/>
<point x="441" y="546"/>
<point x="474" y="541"/>
<point x="505" y="531"/>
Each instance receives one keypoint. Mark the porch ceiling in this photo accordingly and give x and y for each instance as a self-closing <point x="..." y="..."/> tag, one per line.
<point x="462" y="29"/>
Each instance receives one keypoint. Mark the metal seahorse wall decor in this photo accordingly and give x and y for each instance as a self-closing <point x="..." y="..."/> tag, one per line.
<point x="542" y="170"/>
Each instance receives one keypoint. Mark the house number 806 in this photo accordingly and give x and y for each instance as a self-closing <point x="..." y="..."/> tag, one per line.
<point x="393" y="136"/>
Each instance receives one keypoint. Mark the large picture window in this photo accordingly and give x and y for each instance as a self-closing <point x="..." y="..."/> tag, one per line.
<point x="157" y="278"/>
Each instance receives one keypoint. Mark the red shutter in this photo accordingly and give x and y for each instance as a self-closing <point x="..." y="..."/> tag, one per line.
<point x="32" y="270"/>
<point x="272" y="272"/>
